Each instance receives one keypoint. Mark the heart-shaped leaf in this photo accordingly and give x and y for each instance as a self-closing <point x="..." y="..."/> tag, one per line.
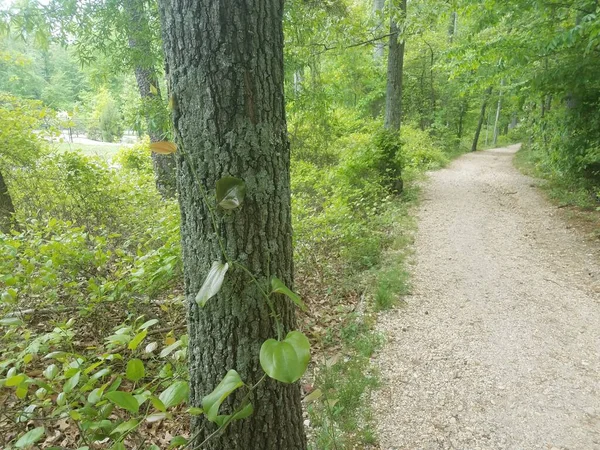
<point x="175" y="394"/>
<point x="212" y="283"/>
<point x="230" y="192"/>
<point x="286" y="360"/>
<point x="212" y="402"/>
<point x="278" y="287"/>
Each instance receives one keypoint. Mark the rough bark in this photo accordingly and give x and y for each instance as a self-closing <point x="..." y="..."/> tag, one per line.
<point x="145" y="75"/>
<point x="7" y="209"/>
<point x="488" y="92"/>
<point x="224" y="61"/>
<point x="393" y="95"/>
<point x="393" y="98"/>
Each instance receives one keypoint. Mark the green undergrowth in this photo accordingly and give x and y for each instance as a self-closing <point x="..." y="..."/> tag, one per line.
<point x="339" y="410"/>
<point x="563" y="189"/>
<point x="91" y="311"/>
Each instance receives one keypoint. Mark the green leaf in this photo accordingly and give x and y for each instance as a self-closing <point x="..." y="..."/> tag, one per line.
<point x="137" y="340"/>
<point x="175" y="394"/>
<point x="11" y="322"/>
<point x="22" y="391"/>
<point x="212" y="402"/>
<point x="230" y="192"/>
<point x="124" y="400"/>
<point x="246" y="411"/>
<point x="148" y="324"/>
<point x="314" y="395"/>
<point x="168" y="350"/>
<point x="100" y="373"/>
<point x="212" y="283"/>
<point x="178" y="441"/>
<point x="135" y="370"/>
<point x="286" y="360"/>
<point x="193" y="411"/>
<point x="15" y="380"/>
<point x="96" y="395"/>
<point x="278" y="287"/>
<point x="30" y="438"/>
<point x="125" y="427"/>
<point x="158" y="404"/>
<point x="71" y="382"/>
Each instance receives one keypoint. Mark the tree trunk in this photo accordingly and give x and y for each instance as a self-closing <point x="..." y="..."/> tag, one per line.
<point x="461" y="117"/>
<point x="148" y="87"/>
<point x="488" y="92"/>
<point x="224" y="63"/>
<point x="379" y="45"/>
<point x="393" y="99"/>
<point x="7" y="209"/>
<point x="498" y="109"/>
<point x="453" y="25"/>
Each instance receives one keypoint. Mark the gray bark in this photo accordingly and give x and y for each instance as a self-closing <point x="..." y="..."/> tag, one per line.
<point x="7" y="209"/>
<point x="453" y="25"/>
<point x="488" y="92"/>
<point x="498" y="109"/>
<point x="145" y="75"/>
<point x="379" y="51"/>
<point x="224" y="62"/>
<point x="393" y="99"/>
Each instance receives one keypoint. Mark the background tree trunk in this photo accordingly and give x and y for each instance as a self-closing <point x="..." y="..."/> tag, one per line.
<point x="379" y="45"/>
<point x="224" y="61"/>
<point x="498" y="109"/>
<point x="7" y="209"/>
<point x="148" y="87"/>
<point x="488" y="92"/>
<point x="393" y="98"/>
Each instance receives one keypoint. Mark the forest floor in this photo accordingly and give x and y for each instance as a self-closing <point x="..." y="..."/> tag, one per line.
<point x="498" y="345"/>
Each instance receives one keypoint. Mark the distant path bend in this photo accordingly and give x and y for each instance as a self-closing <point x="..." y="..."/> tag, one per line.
<point x="498" y="346"/>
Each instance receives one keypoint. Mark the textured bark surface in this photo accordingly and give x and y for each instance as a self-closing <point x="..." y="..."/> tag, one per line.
<point x="224" y="63"/>
<point x="488" y="92"/>
<point x="393" y="93"/>
<point x="145" y="75"/>
<point x="7" y="208"/>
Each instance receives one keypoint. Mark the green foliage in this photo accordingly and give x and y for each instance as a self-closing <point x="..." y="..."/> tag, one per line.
<point x="105" y="120"/>
<point x="136" y="158"/>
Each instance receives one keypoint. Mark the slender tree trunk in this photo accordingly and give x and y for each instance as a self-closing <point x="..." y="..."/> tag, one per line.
<point x="461" y="118"/>
<point x="498" y="109"/>
<point x="393" y="99"/>
<point x="224" y="62"/>
<point x="7" y="209"/>
<point x="379" y="45"/>
<point x="148" y="87"/>
<point x="488" y="92"/>
<point x="453" y="26"/>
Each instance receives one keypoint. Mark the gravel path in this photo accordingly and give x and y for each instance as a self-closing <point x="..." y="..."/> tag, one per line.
<point x="498" y="347"/>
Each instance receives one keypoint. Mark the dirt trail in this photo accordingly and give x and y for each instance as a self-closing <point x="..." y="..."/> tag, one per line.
<point x="498" y="346"/>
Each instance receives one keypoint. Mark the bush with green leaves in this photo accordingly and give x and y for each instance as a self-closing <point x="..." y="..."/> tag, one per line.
<point x="136" y="158"/>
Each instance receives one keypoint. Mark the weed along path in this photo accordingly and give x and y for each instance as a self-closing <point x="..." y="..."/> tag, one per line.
<point x="498" y="347"/>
